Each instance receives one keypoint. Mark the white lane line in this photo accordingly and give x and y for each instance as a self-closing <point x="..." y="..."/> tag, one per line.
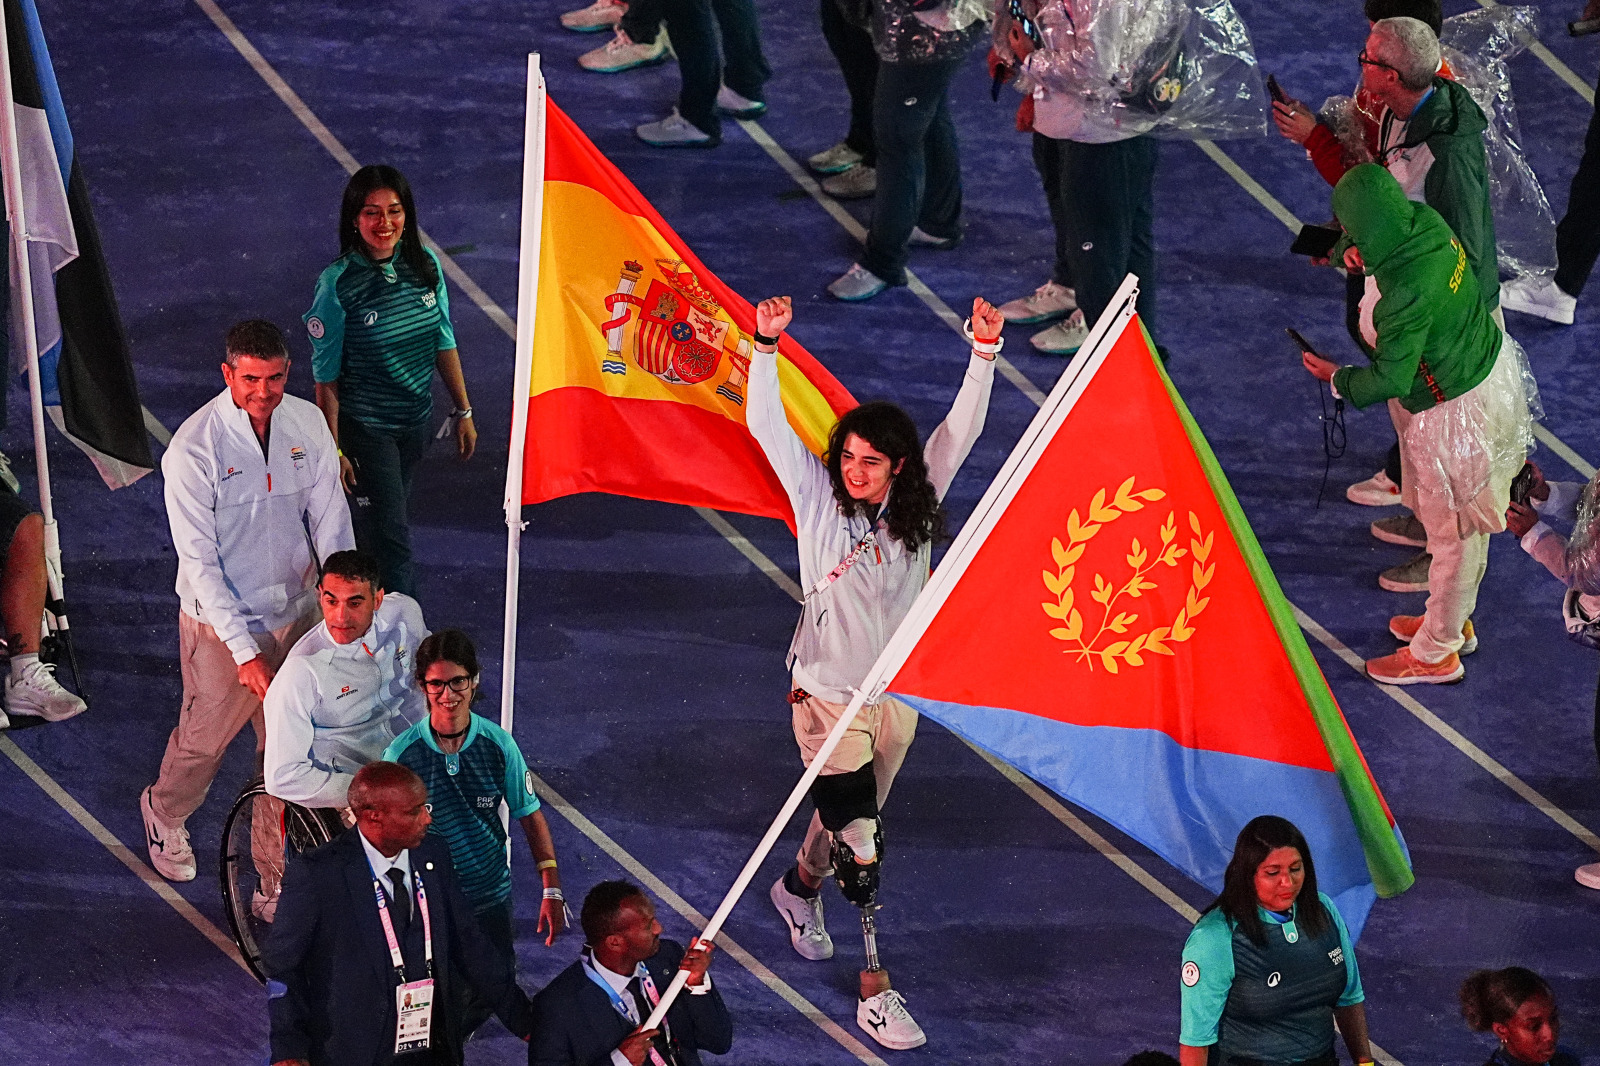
<point x="1562" y="71"/>
<point x="1250" y="185"/>
<point x="1452" y="735"/>
<point x="1559" y="446"/>
<point x="836" y="211"/>
<point x="325" y="137"/>
<point x="122" y="852"/>
<point x="753" y="553"/>
<point x="153" y="426"/>
<point x="640" y="872"/>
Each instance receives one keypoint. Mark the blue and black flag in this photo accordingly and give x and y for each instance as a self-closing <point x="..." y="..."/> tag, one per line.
<point x="84" y="367"/>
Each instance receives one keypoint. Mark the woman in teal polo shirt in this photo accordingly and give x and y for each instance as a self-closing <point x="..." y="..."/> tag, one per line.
<point x="1269" y="965"/>
<point x="380" y="326"/>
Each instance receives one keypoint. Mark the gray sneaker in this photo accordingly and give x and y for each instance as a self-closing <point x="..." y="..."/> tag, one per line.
<point x="921" y="238"/>
<point x="1045" y="304"/>
<point x="733" y="105"/>
<point x="675" y="131"/>
<point x="1063" y="338"/>
<point x="1402" y="529"/>
<point x="835" y="160"/>
<point x="621" y="53"/>
<point x="600" y="15"/>
<point x="1409" y="576"/>
<point x="857" y="183"/>
<point x="856" y="284"/>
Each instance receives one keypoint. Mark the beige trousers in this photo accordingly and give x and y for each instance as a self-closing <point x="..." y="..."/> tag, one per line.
<point x="215" y="708"/>
<point x="881" y="735"/>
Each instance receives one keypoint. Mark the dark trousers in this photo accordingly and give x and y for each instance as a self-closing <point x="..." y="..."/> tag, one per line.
<point x="642" y="21"/>
<point x="919" y="163"/>
<point x="858" y="62"/>
<point x="1578" y="233"/>
<point x="707" y="64"/>
<point x="384" y="460"/>
<point x="495" y="923"/>
<point x="1102" y="201"/>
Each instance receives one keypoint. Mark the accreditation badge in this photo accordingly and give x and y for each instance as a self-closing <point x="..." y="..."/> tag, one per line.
<point x="414" y="1005"/>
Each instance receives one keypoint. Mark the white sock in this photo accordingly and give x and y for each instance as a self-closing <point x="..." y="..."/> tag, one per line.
<point x="858" y="834"/>
<point x="19" y="663"/>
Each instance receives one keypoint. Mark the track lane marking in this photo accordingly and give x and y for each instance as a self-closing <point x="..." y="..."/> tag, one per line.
<point x="122" y="852"/>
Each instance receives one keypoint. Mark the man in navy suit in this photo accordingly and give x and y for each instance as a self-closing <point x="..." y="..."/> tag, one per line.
<point x="590" y="1014"/>
<point x="334" y="991"/>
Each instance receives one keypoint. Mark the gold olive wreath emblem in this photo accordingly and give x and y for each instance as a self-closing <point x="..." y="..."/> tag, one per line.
<point x="1141" y="561"/>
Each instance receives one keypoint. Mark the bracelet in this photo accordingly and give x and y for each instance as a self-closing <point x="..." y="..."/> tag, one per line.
<point x="554" y="893"/>
<point x="762" y="338"/>
<point x="340" y="451"/>
<point x="986" y="347"/>
<point x="547" y="864"/>
<point x="465" y="412"/>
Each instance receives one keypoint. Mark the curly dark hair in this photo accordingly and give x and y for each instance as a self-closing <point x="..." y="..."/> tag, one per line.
<point x="363" y="183"/>
<point x="914" y="517"/>
<point x="1258" y="839"/>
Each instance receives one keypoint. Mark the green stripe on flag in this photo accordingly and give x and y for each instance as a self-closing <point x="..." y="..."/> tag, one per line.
<point x="1386" y="861"/>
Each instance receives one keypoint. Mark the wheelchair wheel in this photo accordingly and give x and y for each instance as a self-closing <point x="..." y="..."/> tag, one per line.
<point x="258" y="838"/>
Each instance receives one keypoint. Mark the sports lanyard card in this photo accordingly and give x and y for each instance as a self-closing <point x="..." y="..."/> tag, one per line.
<point x="413" y="1000"/>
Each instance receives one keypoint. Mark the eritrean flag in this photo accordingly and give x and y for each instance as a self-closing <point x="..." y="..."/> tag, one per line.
<point x="1108" y="624"/>
<point x="640" y="354"/>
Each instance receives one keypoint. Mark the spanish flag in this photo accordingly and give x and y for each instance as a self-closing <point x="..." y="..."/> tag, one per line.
<point x="640" y="355"/>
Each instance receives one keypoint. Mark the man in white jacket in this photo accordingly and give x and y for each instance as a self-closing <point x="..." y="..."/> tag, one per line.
<point x="866" y="521"/>
<point x="253" y="499"/>
<point x="346" y="688"/>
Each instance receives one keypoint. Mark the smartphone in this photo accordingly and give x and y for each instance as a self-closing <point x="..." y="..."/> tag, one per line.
<point x="1316" y="241"/>
<point x="1276" y="90"/>
<point x="1522" y="485"/>
<point x="1304" y="345"/>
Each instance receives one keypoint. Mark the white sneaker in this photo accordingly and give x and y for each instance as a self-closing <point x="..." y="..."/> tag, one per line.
<point x="1045" y="304"/>
<point x="887" y="1021"/>
<point x="675" y="131"/>
<point x="5" y="723"/>
<point x="856" y="284"/>
<point x="8" y="475"/>
<point x="1537" y="294"/>
<point x="263" y="907"/>
<point x="1376" y="491"/>
<point x="600" y="15"/>
<point x="804" y="918"/>
<point x="1588" y="876"/>
<point x="835" y="160"/>
<point x="37" y="692"/>
<point x="733" y="105"/>
<point x="620" y="53"/>
<point x="1063" y="338"/>
<point x="170" y="852"/>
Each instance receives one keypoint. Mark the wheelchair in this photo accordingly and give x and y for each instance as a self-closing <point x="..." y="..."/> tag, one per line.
<point x="259" y="837"/>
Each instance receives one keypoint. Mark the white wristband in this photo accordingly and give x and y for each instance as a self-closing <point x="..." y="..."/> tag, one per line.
<point x="554" y="893"/>
<point x="985" y="347"/>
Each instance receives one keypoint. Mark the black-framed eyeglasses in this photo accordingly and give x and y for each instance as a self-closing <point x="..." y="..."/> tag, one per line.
<point x="1367" y="61"/>
<point x="437" y="685"/>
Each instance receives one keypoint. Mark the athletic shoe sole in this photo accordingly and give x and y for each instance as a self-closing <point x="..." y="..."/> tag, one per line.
<point x="1397" y="538"/>
<point x="892" y="1045"/>
<point x="657" y="61"/>
<point x="1549" y="314"/>
<point x="589" y="29"/>
<point x="1401" y="586"/>
<point x="709" y="143"/>
<point x="746" y="113"/>
<point x="1036" y="320"/>
<point x="1441" y="679"/>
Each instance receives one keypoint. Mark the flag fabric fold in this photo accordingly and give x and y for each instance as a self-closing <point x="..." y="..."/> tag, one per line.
<point x="1118" y="635"/>
<point x="86" y="374"/>
<point x="641" y="354"/>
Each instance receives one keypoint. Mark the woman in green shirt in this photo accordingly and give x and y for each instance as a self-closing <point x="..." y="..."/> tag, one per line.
<point x="380" y="326"/>
<point x="1269" y="965"/>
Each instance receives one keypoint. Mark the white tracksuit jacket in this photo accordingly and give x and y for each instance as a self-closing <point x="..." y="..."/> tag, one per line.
<point x="249" y="527"/>
<point x="843" y="628"/>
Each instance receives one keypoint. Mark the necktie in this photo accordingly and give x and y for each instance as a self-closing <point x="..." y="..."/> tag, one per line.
<point x="642" y="1005"/>
<point x="399" y="898"/>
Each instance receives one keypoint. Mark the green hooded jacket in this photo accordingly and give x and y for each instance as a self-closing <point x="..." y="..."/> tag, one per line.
<point x="1428" y="304"/>
<point x="1451" y="124"/>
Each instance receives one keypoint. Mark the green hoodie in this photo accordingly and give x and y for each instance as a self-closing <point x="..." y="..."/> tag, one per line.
<point x="1451" y="124"/>
<point x="1428" y="302"/>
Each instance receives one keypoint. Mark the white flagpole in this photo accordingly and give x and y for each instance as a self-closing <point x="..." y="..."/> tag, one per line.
<point x="1071" y="385"/>
<point x="527" y="307"/>
<point x="11" y="161"/>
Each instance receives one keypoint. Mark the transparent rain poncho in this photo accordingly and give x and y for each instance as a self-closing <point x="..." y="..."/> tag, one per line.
<point x="1477" y="45"/>
<point x="1583" y="547"/>
<point x="1469" y="449"/>
<point x="1172" y="68"/>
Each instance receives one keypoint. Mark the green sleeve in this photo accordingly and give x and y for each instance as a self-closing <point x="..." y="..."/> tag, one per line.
<point x="447" y="332"/>
<point x="1206" y="977"/>
<point x="1353" y="992"/>
<point x="521" y="800"/>
<point x="1459" y="191"/>
<point x="325" y="326"/>
<point x="1401" y="322"/>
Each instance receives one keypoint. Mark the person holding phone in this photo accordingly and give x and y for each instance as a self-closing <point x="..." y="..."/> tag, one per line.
<point x="1453" y="381"/>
